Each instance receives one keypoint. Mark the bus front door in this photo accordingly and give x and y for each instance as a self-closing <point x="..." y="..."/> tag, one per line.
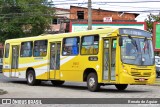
<point x="54" y="60"/>
<point x="109" y="57"/>
<point x="14" y="62"/>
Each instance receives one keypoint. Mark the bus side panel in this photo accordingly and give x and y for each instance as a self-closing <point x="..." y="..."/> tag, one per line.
<point x="39" y="64"/>
<point x="70" y="68"/>
<point x="6" y="67"/>
<point x="73" y="67"/>
<point x="42" y="69"/>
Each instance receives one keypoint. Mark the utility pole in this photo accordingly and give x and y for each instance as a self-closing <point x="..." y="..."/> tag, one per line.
<point x="89" y="15"/>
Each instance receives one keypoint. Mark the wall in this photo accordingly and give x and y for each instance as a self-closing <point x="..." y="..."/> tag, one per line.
<point x="62" y="12"/>
<point x="99" y="14"/>
<point x="82" y="26"/>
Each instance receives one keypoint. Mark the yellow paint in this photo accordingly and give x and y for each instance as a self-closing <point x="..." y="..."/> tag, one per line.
<point x="43" y="76"/>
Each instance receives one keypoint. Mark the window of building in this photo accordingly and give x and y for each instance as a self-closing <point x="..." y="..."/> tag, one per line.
<point x="56" y="21"/>
<point x="71" y="46"/>
<point x="90" y="45"/>
<point x="7" y="50"/>
<point x="80" y="14"/>
<point x="26" y="49"/>
<point x="40" y="48"/>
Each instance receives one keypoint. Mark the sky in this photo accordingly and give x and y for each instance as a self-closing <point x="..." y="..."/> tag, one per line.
<point x="142" y="7"/>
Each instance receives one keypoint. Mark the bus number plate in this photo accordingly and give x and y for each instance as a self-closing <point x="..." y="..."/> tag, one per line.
<point x="141" y="79"/>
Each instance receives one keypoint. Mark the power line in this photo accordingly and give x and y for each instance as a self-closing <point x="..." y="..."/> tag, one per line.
<point x="103" y="3"/>
<point x="30" y="14"/>
<point x="81" y="4"/>
<point x="131" y="6"/>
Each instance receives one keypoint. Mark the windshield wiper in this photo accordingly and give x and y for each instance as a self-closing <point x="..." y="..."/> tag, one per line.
<point x="133" y="42"/>
<point x="145" y="44"/>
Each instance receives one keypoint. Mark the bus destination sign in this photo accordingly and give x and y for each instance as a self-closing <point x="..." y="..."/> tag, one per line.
<point x="135" y="32"/>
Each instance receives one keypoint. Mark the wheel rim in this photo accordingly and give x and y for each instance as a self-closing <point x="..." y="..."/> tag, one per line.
<point x="91" y="82"/>
<point x="30" y="78"/>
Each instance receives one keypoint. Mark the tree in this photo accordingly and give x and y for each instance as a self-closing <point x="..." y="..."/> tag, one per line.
<point x="22" y="18"/>
<point x="150" y="19"/>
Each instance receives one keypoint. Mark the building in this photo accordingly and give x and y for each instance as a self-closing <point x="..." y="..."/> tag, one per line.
<point x="102" y="18"/>
<point x="81" y="14"/>
<point x="57" y="23"/>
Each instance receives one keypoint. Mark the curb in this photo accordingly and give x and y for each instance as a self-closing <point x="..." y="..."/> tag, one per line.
<point x="3" y="92"/>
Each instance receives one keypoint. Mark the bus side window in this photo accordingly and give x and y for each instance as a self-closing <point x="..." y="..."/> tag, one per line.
<point x="26" y="49"/>
<point x="71" y="46"/>
<point x="90" y="45"/>
<point x="40" y="48"/>
<point x="7" y="50"/>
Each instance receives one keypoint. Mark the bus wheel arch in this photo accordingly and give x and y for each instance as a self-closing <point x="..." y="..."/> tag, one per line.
<point x="87" y="72"/>
<point x="31" y="77"/>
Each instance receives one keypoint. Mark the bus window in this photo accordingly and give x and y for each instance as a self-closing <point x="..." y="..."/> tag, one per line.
<point x="7" y="50"/>
<point x="40" y="48"/>
<point x="90" y="45"/>
<point x="26" y="49"/>
<point x="71" y="46"/>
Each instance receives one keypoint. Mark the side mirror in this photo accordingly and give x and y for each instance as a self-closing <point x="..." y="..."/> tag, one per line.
<point x="120" y="41"/>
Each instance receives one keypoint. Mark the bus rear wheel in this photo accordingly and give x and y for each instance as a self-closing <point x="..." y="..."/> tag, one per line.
<point x="92" y="82"/>
<point x="121" y="86"/>
<point x="57" y="82"/>
<point x="31" y="79"/>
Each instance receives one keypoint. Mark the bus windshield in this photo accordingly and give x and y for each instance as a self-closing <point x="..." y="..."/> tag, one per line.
<point x="137" y="51"/>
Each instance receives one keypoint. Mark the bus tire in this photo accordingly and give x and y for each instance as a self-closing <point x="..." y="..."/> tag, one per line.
<point x="31" y="79"/>
<point x="92" y="82"/>
<point x="57" y="82"/>
<point x="38" y="82"/>
<point x="121" y="87"/>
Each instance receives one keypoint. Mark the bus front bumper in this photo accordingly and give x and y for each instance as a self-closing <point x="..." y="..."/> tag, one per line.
<point x="128" y="79"/>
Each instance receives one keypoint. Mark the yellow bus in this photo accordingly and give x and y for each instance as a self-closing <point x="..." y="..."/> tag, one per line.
<point x="109" y="56"/>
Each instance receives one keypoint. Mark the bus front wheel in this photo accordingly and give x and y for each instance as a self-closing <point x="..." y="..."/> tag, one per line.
<point x="57" y="82"/>
<point x="121" y="86"/>
<point x="92" y="82"/>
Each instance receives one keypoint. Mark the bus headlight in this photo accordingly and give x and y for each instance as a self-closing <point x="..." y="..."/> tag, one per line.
<point x="124" y="69"/>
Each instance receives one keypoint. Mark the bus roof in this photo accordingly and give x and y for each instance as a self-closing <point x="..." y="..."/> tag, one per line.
<point x="60" y="35"/>
<point x="107" y="30"/>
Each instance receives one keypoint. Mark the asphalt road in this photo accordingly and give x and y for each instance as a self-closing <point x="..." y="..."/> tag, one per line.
<point x="18" y="88"/>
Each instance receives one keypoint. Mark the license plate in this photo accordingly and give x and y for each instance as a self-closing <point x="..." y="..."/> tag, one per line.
<point x="141" y="79"/>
